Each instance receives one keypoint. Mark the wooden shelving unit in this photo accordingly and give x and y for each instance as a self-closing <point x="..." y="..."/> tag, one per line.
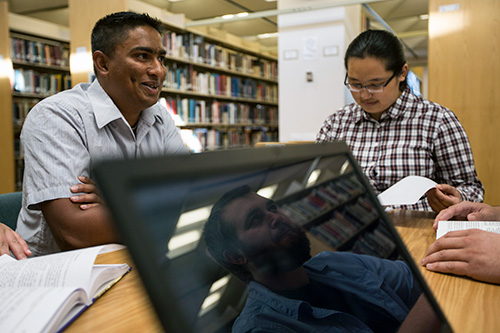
<point x="227" y="96"/>
<point x="35" y="65"/>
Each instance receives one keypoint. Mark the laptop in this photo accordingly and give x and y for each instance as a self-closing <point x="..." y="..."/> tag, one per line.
<point x="160" y="204"/>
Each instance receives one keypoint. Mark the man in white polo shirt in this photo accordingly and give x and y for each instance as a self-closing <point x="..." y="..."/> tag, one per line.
<point x="116" y="116"/>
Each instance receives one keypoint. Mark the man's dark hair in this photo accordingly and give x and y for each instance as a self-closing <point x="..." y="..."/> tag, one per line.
<point x="382" y="45"/>
<point x="220" y="235"/>
<point x="113" y="29"/>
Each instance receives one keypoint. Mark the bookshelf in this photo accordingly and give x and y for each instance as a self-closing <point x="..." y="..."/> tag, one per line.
<point x="228" y="97"/>
<point x="41" y="69"/>
<point x="36" y="63"/>
<point x="338" y="213"/>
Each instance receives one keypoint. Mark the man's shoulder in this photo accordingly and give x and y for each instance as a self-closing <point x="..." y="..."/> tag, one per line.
<point x="344" y="262"/>
<point x="74" y="96"/>
<point x="68" y="105"/>
<point x="337" y="255"/>
<point x="264" y="310"/>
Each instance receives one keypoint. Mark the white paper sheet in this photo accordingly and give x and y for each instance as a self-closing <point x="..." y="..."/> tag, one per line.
<point x="407" y="191"/>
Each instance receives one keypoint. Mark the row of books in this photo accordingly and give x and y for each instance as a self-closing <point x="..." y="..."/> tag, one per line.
<point x="185" y="78"/>
<point x="37" y="52"/>
<point x="375" y="243"/>
<point x="195" y="111"/>
<point x="21" y="107"/>
<point x="211" y="139"/>
<point x="335" y="230"/>
<point x="322" y="199"/>
<point x="18" y="148"/>
<point x="345" y="222"/>
<point x="196" y="49"/>
<point x="18" y="163"/>
<point x="19" y="171"/>
<point x="34" y="82"/>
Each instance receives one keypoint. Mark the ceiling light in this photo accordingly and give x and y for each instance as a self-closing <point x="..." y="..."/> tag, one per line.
<point x="424" y="17"/>
<point x="227" y="16"/>
<point x="175" y="0"/>
<point x="242" y="14"/>
<point x="271" y="0"/>
<point x="268" y="35"/>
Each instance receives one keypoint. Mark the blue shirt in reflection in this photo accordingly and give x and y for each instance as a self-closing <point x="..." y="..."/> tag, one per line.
<point x="384" y="290"/>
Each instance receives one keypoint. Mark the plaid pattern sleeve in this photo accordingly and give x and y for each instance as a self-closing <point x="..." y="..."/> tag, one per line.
<point x="413" y="137"/>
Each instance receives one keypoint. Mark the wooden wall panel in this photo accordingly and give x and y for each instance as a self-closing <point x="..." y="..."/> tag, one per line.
<point x="464" y="74"/>
<point x="6" y="126"/>
<point x="82" y="17"/>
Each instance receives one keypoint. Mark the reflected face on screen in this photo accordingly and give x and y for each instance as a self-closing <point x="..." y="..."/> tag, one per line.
<point x="268" y="240"/>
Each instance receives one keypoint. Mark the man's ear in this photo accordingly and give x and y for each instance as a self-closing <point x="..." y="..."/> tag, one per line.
<point x="100" y="63"/>
<point x="234" y="257"/>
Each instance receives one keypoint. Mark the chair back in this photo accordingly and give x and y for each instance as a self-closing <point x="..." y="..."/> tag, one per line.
<point x="10" y="205"/>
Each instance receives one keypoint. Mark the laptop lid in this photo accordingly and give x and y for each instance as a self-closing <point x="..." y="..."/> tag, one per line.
<point x="160" y="206"/>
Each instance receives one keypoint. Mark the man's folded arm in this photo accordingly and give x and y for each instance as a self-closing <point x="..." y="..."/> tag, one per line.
<point x="74" y="228"/>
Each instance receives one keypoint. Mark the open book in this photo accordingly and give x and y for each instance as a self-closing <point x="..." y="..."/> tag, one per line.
<point x="446" y="226"/>
<point x="46" y="293"/>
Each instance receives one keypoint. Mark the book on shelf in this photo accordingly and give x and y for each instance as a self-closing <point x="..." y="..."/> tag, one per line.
<point x="447" y="226"/>
<point x="36" y="52"/>
<point x="46" y="293"/>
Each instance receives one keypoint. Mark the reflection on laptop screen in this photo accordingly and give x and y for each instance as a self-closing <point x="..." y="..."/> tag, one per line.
<point x="162" y="204"/>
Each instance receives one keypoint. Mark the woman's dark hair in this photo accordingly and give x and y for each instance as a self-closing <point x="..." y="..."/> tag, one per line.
<point x="380" y="44"/>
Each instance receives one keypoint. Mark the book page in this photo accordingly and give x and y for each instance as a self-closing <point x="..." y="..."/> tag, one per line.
<point x="44" y="293"/>
<point x="102" y="275"/>
<point x="446" y="226"/>
<point x="65" y="269"/>
<point x="29" y="309"/>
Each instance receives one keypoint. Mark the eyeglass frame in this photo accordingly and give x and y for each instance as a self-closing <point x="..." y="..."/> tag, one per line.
<point x="367" y="87"/>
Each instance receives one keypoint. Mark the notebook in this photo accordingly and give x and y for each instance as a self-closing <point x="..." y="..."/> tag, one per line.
<point x="160" y="205"/>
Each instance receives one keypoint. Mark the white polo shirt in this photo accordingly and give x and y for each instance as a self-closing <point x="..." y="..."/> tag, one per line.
<point x="64" y="134"/>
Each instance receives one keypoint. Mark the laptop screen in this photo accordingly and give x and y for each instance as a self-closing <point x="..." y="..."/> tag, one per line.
<point x="160" y="206"/>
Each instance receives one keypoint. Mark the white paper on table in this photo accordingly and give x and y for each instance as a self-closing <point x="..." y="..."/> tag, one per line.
<point x="407" y="191"/>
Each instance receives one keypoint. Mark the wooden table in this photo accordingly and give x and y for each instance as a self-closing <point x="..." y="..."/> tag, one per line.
<point x="124" y="308"/>
<point x="470" y="306"/>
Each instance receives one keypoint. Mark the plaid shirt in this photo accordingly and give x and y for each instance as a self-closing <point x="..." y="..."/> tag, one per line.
<point x="413" y="137"/>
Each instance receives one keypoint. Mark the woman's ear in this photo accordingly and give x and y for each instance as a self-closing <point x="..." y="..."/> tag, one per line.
<point x="100" y="63"/>
<point x="234" y="257"/>
<point x="404" y="73"/>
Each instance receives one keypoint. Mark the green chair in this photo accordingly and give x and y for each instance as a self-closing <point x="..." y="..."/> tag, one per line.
<point x="10" y="205"/>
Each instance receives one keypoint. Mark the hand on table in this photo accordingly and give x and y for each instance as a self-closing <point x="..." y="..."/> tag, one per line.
<point x="474" y="253"/>
<point x="10" y="241"/>
<point x="471" y="211"/>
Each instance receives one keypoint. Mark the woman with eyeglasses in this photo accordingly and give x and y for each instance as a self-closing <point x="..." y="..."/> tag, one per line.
<point x="394" y="133"/>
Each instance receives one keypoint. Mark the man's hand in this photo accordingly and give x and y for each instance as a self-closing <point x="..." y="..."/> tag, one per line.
<point x="471" y="211"/>
<point x="10" y="241"/>
<point x="473" y="252"/>
<point x="91" y="196"/>
<point x="443" y="196"/>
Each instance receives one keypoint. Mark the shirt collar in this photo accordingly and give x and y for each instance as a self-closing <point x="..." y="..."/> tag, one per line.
<point x="105" y="110"/>
<point x="399" y="107"/>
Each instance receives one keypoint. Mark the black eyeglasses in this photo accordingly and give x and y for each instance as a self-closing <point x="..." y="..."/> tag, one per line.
<point x="371" y="88"/>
